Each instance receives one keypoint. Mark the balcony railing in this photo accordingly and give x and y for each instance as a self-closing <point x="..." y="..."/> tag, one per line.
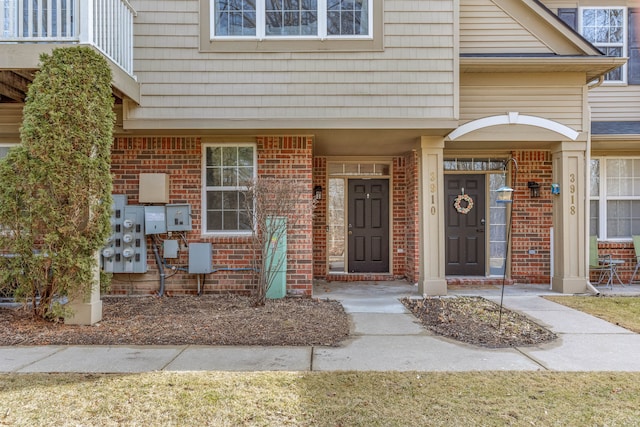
<point x="105" y="24"/>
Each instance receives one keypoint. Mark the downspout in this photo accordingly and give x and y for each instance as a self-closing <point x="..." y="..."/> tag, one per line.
<point x="591" y="85"/>
<point x="587" y="179"/>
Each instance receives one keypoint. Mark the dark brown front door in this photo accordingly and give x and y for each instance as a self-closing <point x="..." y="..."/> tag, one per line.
<point x="465" y="232"/>
<point x="368" y="227"/>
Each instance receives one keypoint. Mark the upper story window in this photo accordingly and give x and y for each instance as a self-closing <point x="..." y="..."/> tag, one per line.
<point x="606" y="28"/>
<point x="291" y="18"/>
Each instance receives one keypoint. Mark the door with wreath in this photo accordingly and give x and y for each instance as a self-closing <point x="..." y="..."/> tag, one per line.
<point x="465" y="237"/>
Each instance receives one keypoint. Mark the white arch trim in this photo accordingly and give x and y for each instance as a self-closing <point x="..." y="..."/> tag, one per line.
<point x="513" y="118"/>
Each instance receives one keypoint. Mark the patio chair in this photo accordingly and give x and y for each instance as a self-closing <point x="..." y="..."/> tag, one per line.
<point x="603" y="265"/>
<point x="636" y="247"/>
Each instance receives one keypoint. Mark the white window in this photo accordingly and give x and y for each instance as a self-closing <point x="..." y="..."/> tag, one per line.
<point x="4" y="149"/>
<point x="615" y="198"/>
<point x="606" y="29"/>
<point x="227" y="171"/>
<point x="291" y="19"/>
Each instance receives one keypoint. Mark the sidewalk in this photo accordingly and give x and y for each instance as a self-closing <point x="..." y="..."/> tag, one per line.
<point x="385" y="337"/>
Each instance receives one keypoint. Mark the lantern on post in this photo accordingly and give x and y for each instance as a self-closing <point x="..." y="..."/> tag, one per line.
<point x="505" y="195"/>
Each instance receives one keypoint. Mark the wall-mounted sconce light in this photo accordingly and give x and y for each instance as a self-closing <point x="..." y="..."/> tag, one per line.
<point x="534" y="188"/>
<point x="317" y="192"/>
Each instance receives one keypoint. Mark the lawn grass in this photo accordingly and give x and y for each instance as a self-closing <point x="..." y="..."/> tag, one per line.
<point x="321" y="399"/>
<point x="619" y="310"/>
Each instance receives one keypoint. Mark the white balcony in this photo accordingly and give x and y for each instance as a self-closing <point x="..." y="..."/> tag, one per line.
<point x="31" y="27"/>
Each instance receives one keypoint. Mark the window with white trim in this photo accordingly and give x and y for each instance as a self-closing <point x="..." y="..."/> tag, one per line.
<point x="261" y="19"/>
<point x="227" y="171"/>
<point x="606" y="29"/>
<point x="615" y="198"/>
<point x="4" y="149"/>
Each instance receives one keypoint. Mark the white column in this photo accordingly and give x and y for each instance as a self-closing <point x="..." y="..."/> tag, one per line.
<point x="432" y="252"/>
<point x="571" y="271"/>
<point x="88" y="309"/>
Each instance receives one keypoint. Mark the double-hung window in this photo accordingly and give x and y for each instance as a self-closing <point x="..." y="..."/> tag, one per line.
<point x="615" y="198"/>
<point x="606" y="29"/>
<point x="260" y="19"/>
<point x="227" y="172"/>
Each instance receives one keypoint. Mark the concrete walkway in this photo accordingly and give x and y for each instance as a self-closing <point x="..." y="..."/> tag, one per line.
<point x="385" y="337"/>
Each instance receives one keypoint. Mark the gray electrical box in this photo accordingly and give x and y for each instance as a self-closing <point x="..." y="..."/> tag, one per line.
<point x="155" y="220"/>
<point x="179" y="217"/>
<point x="200" y="255"/>
<point x="134" y="241"/>
<point x="112" y="252"/>
<point x="170" y="249"/>
<point x="126" y="248"/>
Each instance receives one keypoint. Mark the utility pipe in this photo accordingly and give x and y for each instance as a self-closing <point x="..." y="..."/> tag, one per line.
<point x="160" y="267"/>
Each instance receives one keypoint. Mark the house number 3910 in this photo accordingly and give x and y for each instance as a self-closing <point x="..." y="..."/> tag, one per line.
<point x="432" y="188"/>
<point x="572" y="192"/>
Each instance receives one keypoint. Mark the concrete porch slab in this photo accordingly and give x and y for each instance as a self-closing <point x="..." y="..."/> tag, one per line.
<point x="389" y="324"/>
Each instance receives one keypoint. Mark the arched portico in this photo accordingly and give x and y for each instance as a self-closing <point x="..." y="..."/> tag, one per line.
<point x="570" y="208"/>
<point x="514" y="118"/>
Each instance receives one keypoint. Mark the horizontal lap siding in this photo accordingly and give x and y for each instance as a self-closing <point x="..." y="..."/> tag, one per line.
<point x="615" y="103"/>
<point x="485" y="28"/>
<point x="10" y="120"/>
<point x="561" y="103"/>
<point x="412" y="78"/>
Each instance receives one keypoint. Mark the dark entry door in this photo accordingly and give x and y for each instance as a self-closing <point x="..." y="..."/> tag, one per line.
<point x="465" y="232"/>
<point x="368" y="227"/>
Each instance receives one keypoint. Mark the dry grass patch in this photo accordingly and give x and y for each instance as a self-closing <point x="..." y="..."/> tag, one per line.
<point x="321" y="399"/>
<point x="619" y="310"/>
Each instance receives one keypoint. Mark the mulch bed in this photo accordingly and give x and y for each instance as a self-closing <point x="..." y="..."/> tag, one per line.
<point x="474" y="320"/>
<point x="233" y="320"/>
<point x="196" y="320"/>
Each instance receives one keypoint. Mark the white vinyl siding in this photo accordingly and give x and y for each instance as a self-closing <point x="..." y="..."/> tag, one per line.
<point x="412" y="79"/>
<point x="554" y="97"/>
<point x="615" y="103"/>
<point x="485" y="28"/>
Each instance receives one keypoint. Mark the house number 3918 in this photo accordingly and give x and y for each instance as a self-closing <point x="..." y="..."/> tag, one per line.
<point x="572" y="192"/>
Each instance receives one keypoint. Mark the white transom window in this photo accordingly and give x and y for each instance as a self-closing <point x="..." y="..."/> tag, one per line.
<point x="615" y="198"/>
<point x="291" y="19"/>
<point x="606" y="29"/>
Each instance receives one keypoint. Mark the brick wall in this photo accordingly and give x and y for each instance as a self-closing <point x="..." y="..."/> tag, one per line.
<point x="621" y="251"/>
<point x="320" y="219"/>
<point x="532" y="218"/>
<point x="400" y="217"/>
<point x="412" y="269"/>
<point x="181" y="158"/>
<point x="402" y="222"/>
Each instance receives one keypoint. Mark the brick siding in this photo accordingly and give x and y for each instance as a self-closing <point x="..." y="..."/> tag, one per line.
<point x="403" y="222"/>
<point x="181" y="157"/>
<point x="532" y="219"/>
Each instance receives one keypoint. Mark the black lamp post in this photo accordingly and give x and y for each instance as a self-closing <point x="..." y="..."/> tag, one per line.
<point x="505" y="195"/>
